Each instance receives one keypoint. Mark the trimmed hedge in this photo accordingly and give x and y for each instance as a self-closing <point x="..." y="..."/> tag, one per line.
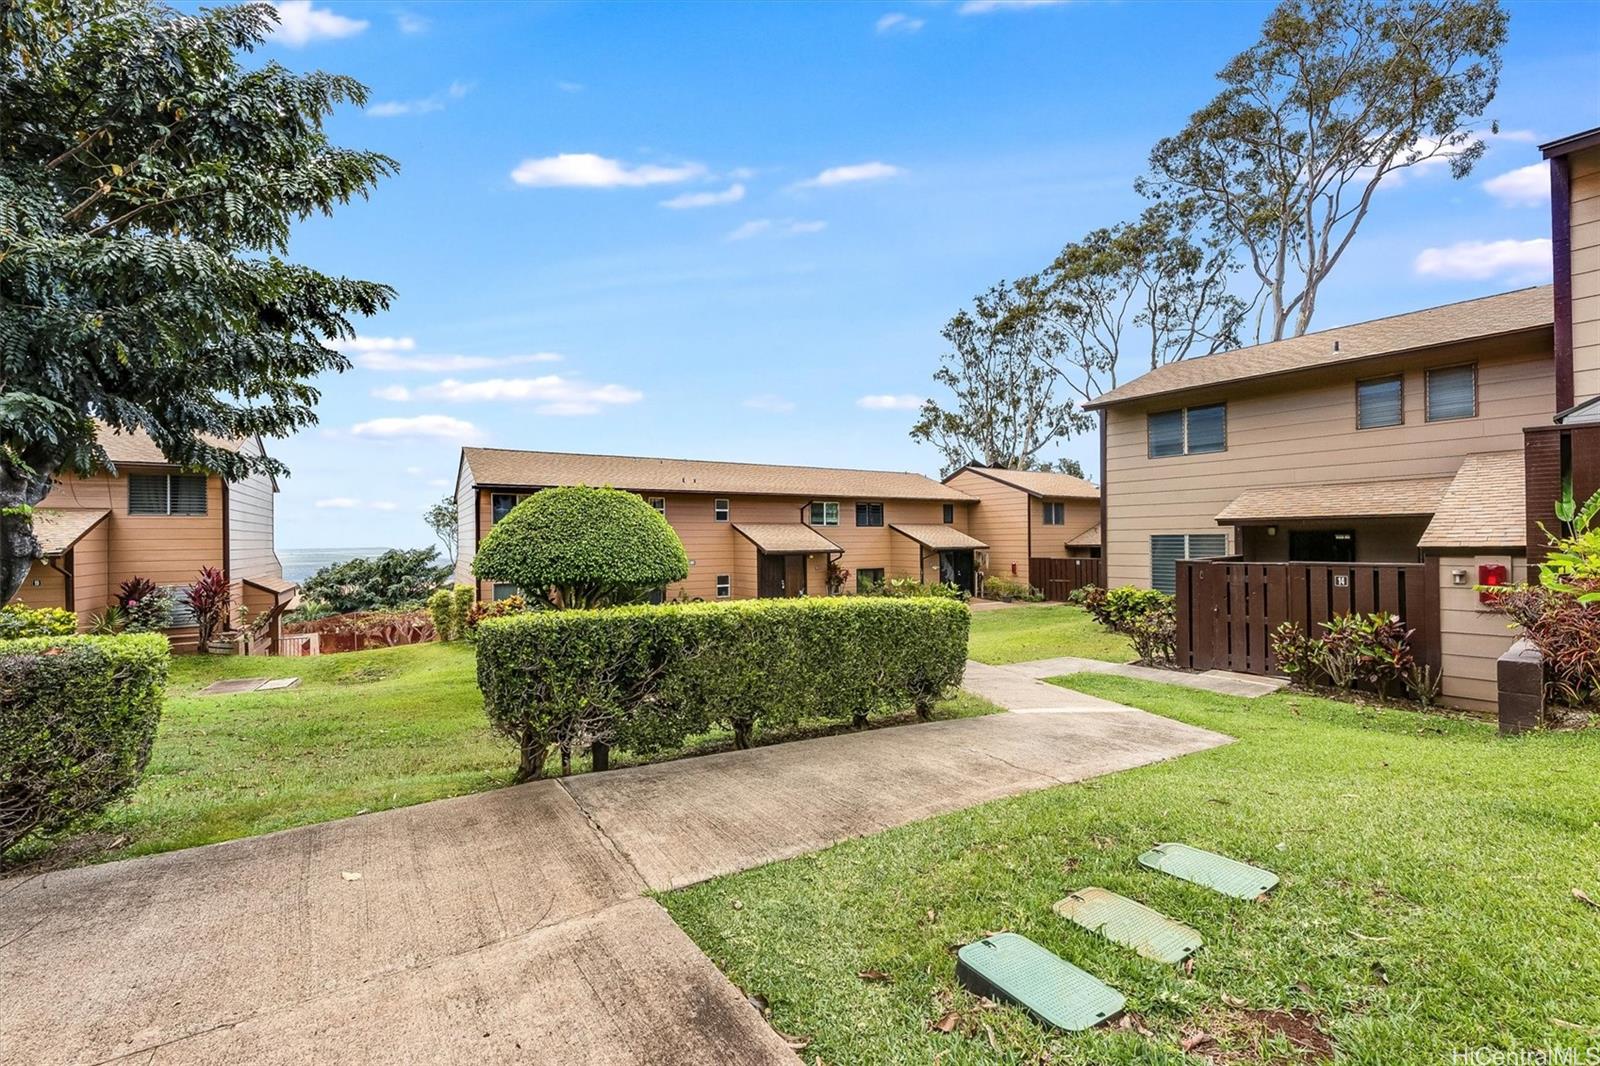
<point x="77" y="718"/>
<point x="648" y="678"/>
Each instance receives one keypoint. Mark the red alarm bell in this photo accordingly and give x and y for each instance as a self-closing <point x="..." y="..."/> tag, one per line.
<point x="1491" y="576"/>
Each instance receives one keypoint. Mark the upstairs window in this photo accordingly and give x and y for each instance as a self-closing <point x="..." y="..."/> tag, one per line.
<point x="1055" y="514"/>
<point x="719" y="510"/>
<point x="1380" y="402"/>
<point x="869" y="514"/>
<point x="1452" y="393"/>
<point x="167" y="494"/>
<point x="660" y="504"/>
<point x="949" y="513"/>
<point x="1188" y="431"/>
<point x="501" y="503"/>
<point x="824" y="513"/>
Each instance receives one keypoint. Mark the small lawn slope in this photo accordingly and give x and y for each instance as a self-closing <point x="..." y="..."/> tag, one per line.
<point x="1023" y="634"/>
<point x="1426" y="903"/>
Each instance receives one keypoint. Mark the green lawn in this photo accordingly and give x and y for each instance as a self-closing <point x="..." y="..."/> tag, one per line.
<point x="1020" y="634"/>
<point x="1426" y="903"/>
<point x="364" y="731"/>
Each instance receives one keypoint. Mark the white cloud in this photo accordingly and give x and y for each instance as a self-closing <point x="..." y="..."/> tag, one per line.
<point x="338" y="503"/>
<point x="890" y="402"/>
<point x="375" y="344"/>
<point x="440" y="482"/>
<point x="300" y="23"/>
<point x="447" y="364"/>
<point x="415" y="471"/>
<point x="769" y="402"/>
<point x="899" y="22"/>
<point x="854" y="172"/>
<point x="1477" y="260"/>
<point x="1523" y="187"/>
<point x="731" y="195"/>
<point x="551" y="394"/>
<point x="570" y="86"/>
<point x="783" y="227"/>
<point x="383" y="505"/>
<point x="585" y="170"/>
<point x="986" y="7"/>
<point x="425" y="427"/>
<point x="392" y="393"/>
<point x="426" y="105"/>
<point x="1516" y="136"/>
<point x="410" y="22"/>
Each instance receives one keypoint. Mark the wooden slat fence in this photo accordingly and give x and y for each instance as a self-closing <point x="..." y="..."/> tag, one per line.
<point x="1057" y="577"/>
<point x="1228" y="609"/>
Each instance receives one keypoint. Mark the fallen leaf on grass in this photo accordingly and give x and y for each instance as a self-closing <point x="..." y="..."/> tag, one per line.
<point x="796" y="1043"/>
<point x="1188" y="966"/>
<point x="873" y="975"/>
<point x="348" y="876"/>
<point x="1232" y="1001"/>
<point x="1130" y="1020"/>
<point x="1583" y="897"/>
<point x="1194" y="1040"/>
<point x="947" y="1022"/>
<point x="1369" y="939"/>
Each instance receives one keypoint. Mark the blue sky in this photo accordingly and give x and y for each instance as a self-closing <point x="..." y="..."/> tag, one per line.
<point x="734" y="231"/>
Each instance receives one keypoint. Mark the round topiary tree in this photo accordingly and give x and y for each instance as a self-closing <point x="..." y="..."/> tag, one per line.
<point x="583" y="547"/>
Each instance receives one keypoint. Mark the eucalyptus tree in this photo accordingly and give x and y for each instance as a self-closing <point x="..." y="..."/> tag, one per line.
<point x="149" y="179"/>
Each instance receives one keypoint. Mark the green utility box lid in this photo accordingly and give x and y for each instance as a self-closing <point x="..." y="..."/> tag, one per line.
<point x="1228" y="876"/>
<point x="1012" y="968"/>
<point x="1131" y="924"/>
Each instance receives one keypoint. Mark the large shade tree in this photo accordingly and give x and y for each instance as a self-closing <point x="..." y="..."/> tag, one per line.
<point x="148" y="183"/>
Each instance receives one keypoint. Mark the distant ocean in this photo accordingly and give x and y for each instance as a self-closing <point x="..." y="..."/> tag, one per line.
<point x="301" y="563"/>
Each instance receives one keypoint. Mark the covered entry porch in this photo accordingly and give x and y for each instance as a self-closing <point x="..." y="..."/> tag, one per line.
<point x="944" y="554"/>
<point x="1347" y="522"/>
<point x="785" y="552"/>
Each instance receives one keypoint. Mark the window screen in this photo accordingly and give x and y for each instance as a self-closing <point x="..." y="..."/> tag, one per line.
<point x="1452" y="393"/>
<point x="1379" y="403"/>
<point x="1055" y="514"/>
<point x="869" y="514"/>
<point x="1208" y="428"/>
<point x="1166" y="434"/>
<point x="147" y="494"/>
<point x="188" y="494"/>
<point x="1167" y="548"/>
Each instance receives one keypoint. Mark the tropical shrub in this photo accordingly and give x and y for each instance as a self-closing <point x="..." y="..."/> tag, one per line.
<point x="397" y="578"/>
<point x="210" y="600"/>
<point x="387" y="629"/>
<point x="110" y="621"/>
<point x="648" y="678"/>
<point x="583" y="547"/>
<point x="442" y="609"/>
<point x="18" y="620"/>
<point x="1154" y="635"/>
<point x="911" y="588"/>
<point x="461" y="602"/>
<point x="492" y="609"/>
<point x="1298" y="656"/>
<point x="151" y="612"/>
<point x="1089" y="597"/>
<point x="1566" y="631"/>
<point x="1003" y="588"/>
<point x="1371" y="651"/>
<point x="133" y="590"/>
<point x="77" y="719"/>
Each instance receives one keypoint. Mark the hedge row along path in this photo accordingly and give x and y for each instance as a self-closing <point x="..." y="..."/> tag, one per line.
<point x="510" y="926"/>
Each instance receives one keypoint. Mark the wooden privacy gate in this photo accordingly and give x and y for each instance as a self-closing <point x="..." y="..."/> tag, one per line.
<point x="1228" y="609"/>
<point x="1057" y="577"/>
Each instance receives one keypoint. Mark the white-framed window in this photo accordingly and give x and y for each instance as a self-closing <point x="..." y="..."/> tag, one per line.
<point x="824" y="513"/>
<point x="1167" y="548"/>
<point x="501" y="503"/>
<point x="1187" y="431"/>
<point x="660" y="504"/>
<point x="1380" y="402"/>
<point x="724" y="586"/>
<point x="719" y="509"/>
<point x="1452" y="393"/>
<point x="166" y="494"/>
<point x="1055" y="513"/>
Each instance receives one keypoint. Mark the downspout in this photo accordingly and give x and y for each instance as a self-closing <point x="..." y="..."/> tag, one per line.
<point x="1105" y="541"/>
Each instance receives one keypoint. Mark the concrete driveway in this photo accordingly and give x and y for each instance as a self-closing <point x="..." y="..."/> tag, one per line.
<point x="503" y="927"/>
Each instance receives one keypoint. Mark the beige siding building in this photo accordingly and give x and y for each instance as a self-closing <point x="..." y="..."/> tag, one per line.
<point x="154" y="520"/>
<point x="749" y="529"/>
<point x="1028" y="514"/>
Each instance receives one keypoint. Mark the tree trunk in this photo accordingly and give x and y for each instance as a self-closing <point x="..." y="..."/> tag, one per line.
<point x="18" y="546"/>
<point x="600" y="755"/>
<point x="534" y="753"/>
<point x="741" y="733"/>
<point x="859" y="720"/>
<point x="924" y="711"/>
<point x="566" y="759"/>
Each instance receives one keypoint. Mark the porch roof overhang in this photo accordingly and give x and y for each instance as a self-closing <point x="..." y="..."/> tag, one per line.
<point x="938" y="537"/>
<point x="1089" y="538"/>
<point x="786" y="538"/>
<point x="1484" y="507"/>
<point x="282" y="589"/>
<point x="58" y="529"/>
<point x="1409" y="498"/>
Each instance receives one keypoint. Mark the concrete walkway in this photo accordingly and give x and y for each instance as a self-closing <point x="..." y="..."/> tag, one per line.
<point x="503" y="927"/>
<point x="1225" y="682"/>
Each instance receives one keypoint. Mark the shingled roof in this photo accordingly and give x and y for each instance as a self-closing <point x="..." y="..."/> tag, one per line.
<point x="1484" y="507"/>
<point x="1489" y="316"/>
<point x="1038" y="483"/>
<point x="528" y="469"/>
<point x="1354" y="499"/>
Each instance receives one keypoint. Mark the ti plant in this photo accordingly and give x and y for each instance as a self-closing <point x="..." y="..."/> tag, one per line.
<point x="1573" y="565"/>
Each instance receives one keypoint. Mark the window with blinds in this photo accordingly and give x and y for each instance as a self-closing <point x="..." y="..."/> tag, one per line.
<point x="166" y="494"/>
<point x="1452" y="393"/>
<point x="1166" y="549"/>
<point x="1187" y="431"/>
<point x="1380" y="402"/>
<point x="869" y="514"/>
<point x="1166" y="434"/>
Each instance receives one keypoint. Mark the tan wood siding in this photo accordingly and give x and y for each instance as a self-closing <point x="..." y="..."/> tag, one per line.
<point x="1000" y="520"/>
<point x="1472" y="639"/>
<point x="1050" y="542"/>
<point x="466" y="525"/>
<point x="45" y="586"/>
<point x="1282" y="434"/>
<point x="1586" y="275"/>
<point x="91" y="572"/>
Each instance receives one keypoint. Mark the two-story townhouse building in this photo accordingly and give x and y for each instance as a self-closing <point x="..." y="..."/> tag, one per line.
<point x="152" y="519"/>
<point x="749" y="529"/>
<point x="1029" y="515"/>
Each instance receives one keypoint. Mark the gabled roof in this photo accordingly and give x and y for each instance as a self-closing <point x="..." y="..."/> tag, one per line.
<point x="1484" y="507"/>
<point x="1488" y="316"/>
<point x="938" y="537"/>
<point x="527" y="469"/>
<point x="785" y="538"/>
<point x="1351" y="499"/>
<point x="1089" y="538"/>
<point x="59" y="528"/>
<point x="1037" y="483"/>
<point x="1573" y="142"/>
<point x="134" y="447"/>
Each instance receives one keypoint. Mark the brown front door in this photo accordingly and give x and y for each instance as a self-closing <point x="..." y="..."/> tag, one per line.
<point x="780" y="575"/>
<point x="794" y="580"/>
